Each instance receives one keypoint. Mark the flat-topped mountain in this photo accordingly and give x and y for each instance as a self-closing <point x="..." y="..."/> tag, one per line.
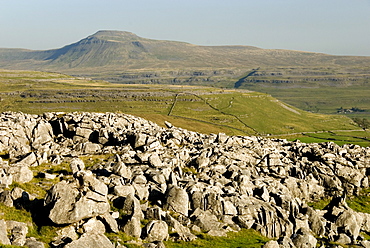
<point x="123" y="57"/>
<point x="118" y="50"/>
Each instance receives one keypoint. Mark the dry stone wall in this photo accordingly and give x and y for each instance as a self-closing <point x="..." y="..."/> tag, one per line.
<point x="180" y="182"/>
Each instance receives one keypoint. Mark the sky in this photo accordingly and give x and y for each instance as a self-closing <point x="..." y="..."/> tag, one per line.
<point x="338" y="27"/>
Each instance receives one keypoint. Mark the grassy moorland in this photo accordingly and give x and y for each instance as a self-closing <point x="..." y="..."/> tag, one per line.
<point x="314" y="82"/>
<point x="319" y="90"/>
<point x="203" y="109"/>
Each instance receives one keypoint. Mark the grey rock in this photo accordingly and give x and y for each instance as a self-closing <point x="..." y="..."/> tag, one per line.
<point x="202" y="160"/>
<point x="132" y="227"/>
<point x="207" y="221"/>
<point x="18" y="232"/>
<point x="262" y="193"/>
<point x="90" y="240"/>
<point x="76" y="165"/>
<point x="91" y="148"/>
<point x="110" y="222"/>
<point x="286" y="242"/>
<point x="5" y="178"/>
<point x="122" y="170"/>
<point x="93" y="225"/>
<point x="217" y="233"/>
<point x="155" y="161"/>
<point x="224" y="181"/>
<point x="3" y="233"/>
<point x="132" y="207"/>
<point x="316" y="222"/>
<point x="124" y="190"/>
<point x="33" y="243"/>
<point x="343" y="239"/>
<point x="271" y="244"/>
<point x="118" y="245"/>
<point x="168" y="124"/>
<point x="21" y="173"/>
<point x="351" y="222"/>
<point x="67" y="232"/>
<point x="82" y="134"/>
<point x="365" y="243"/>
<point x="69" y="205"/>
<point x="6" y="198"/>
<point x="29" y="160"/>
<point x="141" y="190"/>
<point x="229" y="208"/>
<point x="177" y="200"/>
<point x="245" y="221"/>
<point x="156" y="230"/>
<point x="303" y="239"/>
<point x="140" y="140"/>
<point x="42" y="134"/>
<point x="156" y="244"/>
<point x="176" y="227"/>
<point x="366" y="222"/>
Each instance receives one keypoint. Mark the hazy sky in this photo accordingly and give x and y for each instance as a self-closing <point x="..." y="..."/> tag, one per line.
<point x="328" y="26"/>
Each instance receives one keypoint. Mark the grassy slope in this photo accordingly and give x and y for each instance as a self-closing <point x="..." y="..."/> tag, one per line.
<point x="209" y="109"/>
<point x="318" y="83"/>
<point x="319" y="90"/>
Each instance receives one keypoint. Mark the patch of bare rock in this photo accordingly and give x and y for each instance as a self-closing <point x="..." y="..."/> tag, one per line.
<point x="170" y="183"/>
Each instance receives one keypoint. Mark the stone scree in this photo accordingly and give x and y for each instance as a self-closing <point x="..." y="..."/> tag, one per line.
<point x="180" y="182"/>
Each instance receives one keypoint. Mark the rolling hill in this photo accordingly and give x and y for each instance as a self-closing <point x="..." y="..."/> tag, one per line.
<point x="118" y="51"/>
<point x="314" y="82"/>
<point x="197" y="108"/>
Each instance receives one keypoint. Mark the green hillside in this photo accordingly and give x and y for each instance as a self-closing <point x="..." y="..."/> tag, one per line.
<point x="117" y="52"/>
<point x="328" y="90"/>
<point x="203" y="109"/>
<point x="313" y="82"/>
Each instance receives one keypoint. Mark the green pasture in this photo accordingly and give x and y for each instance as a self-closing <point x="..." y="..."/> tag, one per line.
<point x="326" y="100"/>
<point x="248" y="238"/>
<point x="361" y="138"/>
<point x="197" y="108"/>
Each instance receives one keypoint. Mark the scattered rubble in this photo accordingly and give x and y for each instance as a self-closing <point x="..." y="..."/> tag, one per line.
<point x="180" y="182"/>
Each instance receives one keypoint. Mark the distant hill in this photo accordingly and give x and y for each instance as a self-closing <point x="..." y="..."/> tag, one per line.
<point x="314" y="82"/>
<point x="118" y="51"/>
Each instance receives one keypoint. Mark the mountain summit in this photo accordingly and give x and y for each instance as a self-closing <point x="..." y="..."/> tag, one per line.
<point x="113" y="52"/>
<point x="112" y="35"/>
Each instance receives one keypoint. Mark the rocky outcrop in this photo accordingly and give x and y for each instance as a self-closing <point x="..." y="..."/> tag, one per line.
<point x="83" y="198"/>
<point x="181" y="182"/>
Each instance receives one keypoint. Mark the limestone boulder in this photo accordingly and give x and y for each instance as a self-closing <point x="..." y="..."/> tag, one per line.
<point x="132" y="207"/>
<point x="20" y="173"/>
<point x="110" y="223"/>
<point x="175" y="226"/>
<point x="177" y="200"/>
<point x="69" y="203"/>
<point x="5" y="178"/>
<point x="6" y="198"/>
<point x="271" y="244"/>
<point x="42" y="134"/>
<point x="18" y="232"/>
<point x="303" y="239"/>
<point x="89" y="240"/>
<point x="132" y="227"/>
<point x="93" y="225"/>
<point x="3" y="233"/>
<point x="155" y="230"/>
<point x="33" y="243"/>
<point x="76" y="165"/>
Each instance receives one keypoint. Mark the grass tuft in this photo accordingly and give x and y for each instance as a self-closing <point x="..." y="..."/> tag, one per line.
<point x="245" y="238"/>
